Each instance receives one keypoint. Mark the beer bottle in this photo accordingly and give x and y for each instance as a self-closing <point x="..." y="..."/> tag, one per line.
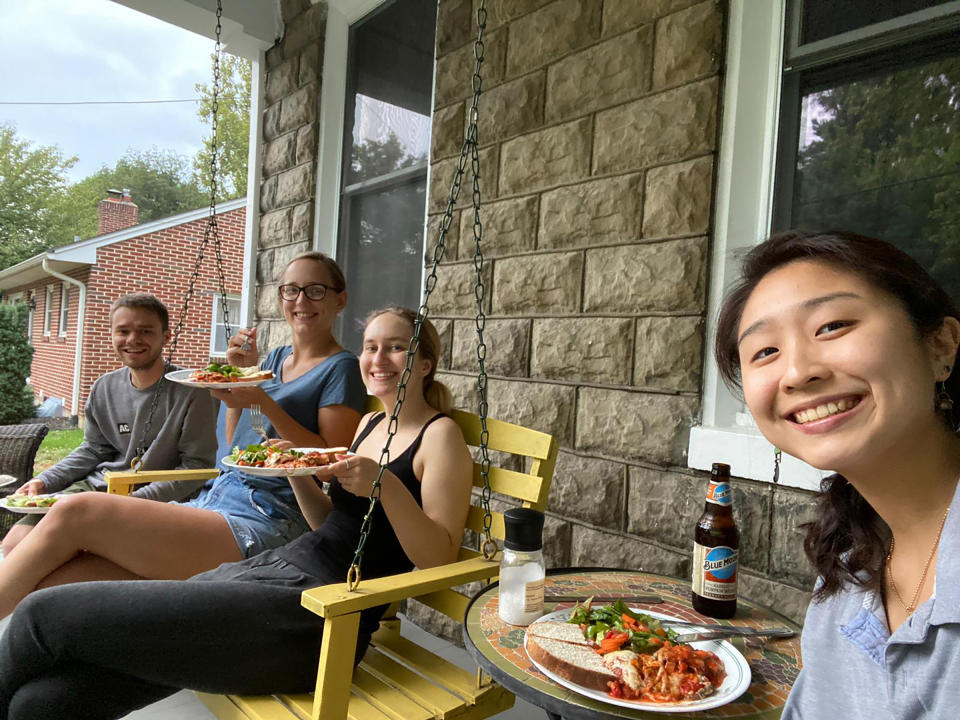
<point x="716" y="544"/>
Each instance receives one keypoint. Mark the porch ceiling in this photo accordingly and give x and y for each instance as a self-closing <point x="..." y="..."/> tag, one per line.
<point x="247" y="26"/>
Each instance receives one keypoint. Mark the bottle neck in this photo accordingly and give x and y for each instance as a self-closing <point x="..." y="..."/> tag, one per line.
<point x="719" y="494"/>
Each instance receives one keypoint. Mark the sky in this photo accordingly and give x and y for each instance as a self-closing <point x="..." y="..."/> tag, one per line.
<point x="98" y="50"/>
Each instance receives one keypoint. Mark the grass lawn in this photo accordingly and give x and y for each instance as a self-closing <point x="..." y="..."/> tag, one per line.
<point x="56" y="446"/>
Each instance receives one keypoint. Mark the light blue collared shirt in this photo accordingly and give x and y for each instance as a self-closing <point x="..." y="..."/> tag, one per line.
<point x="854" y="668"/>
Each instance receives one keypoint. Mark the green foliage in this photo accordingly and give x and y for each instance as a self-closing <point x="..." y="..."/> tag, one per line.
<point x="159" y="182"/>
<point x="885" y="161"/>
<point x="15" y="355"/>
<point x="31" y="179"/>
<point x="233" y="129"/>
<point x="372" y="158"/>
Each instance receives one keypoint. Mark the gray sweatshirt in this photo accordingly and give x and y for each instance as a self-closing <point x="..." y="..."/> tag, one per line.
<point x="182" y="435"/>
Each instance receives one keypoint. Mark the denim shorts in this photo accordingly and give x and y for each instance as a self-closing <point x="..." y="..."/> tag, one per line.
<point x="262" y="512"/>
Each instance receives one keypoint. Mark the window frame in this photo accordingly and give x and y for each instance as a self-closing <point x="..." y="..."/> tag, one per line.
<point x="64" y="319"/>
<point x="48" y="311"/>
<point x="341" y="14"/>
<point x="215" y="320"/>
<point x="757" y="40"/>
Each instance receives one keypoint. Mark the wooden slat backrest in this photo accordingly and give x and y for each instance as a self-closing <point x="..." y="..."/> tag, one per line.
<point x="530" y="488"/>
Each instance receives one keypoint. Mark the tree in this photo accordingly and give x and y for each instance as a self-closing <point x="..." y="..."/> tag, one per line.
<point x="31" y="180"/>
<point x="373" y="158"/>
<point x="15" y="355"/>
<point x="233" y="129"/>
<point x="884" y="160"/>
<point x="159" y="182"/>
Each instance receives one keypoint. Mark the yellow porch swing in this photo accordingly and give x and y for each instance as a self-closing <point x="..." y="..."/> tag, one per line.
<point x="397" y="679"/>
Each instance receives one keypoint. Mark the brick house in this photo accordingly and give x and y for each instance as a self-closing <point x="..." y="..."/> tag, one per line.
<point x="69" y="291"/>
<point x="629" y="150"/>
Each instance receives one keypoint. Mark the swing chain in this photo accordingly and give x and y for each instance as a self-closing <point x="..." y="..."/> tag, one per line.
<point x="469" y="147"/>
<point x="489" y="546"/>
<point x="211" y="230"/>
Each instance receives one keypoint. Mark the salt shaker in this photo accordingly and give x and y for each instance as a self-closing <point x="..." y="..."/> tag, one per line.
<point x="522" y="570"/>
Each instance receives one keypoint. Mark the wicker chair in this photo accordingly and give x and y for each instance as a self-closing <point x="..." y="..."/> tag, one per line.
<point x="18" y="448"/>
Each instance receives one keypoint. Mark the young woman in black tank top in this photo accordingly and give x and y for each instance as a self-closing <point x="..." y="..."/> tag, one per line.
<point x="240" y="629"/>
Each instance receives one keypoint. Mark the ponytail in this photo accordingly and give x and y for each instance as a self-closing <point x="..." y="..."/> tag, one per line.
<point x="438" y="396"/>
<point x="846" y="541"/>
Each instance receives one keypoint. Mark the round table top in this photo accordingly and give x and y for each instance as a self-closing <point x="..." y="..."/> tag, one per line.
<point x="498" y="646"/>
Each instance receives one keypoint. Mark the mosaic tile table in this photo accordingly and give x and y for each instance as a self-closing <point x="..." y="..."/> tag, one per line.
<point x="498" y="647"/>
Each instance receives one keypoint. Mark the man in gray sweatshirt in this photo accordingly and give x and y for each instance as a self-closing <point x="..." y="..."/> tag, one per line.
<point x="180" y="433"/>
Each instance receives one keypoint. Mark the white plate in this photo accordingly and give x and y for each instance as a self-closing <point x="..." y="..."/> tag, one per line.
<point x="734" y="684"/>
<point x="11" y="479"/>
<point x="27" y="510"/>
<point x="276" y="471"/>
<point x="183" y="377"/>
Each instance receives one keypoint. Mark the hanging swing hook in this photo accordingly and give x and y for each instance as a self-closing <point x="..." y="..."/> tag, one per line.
<point x="353" y="577"/>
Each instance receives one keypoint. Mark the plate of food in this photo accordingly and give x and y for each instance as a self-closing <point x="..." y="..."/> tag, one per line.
<point x="220" y="376"/>
<point x="29" y="504"/>
<point x="268" y="461"/>
<point x="625" y="656"/>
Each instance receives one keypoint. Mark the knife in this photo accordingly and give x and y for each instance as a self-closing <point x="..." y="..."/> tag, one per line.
<point x="639" y="598"/>
<point x="731" y="632"/>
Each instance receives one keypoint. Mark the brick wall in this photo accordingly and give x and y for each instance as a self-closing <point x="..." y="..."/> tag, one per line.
<point x="160" y="263"/>
<point x="51" y="372"/>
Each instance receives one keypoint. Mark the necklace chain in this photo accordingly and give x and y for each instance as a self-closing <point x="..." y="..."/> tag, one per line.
<point x="923" y="578"/>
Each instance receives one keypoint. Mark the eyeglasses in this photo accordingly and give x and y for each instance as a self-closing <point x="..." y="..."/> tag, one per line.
<point x="313" y="291"/>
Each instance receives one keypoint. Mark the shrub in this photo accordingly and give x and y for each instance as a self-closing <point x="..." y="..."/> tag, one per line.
<point x="15" y="356"/>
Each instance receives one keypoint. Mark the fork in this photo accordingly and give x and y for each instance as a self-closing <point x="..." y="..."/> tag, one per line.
<point x="256" y="421"/>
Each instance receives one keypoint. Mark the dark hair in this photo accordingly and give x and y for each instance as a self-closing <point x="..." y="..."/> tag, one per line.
<point x="435" y="392"/>
<point x="848" y="537"/>
<point x="143" y="301"/>
<point x="336" y="274"/>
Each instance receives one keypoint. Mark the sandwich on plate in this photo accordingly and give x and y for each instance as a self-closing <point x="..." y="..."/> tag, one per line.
<point x="626" y="654"/>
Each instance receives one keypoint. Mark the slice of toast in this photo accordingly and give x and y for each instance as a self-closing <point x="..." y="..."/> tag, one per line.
<point x="253" y="372"/>
<point x="556" y="630"/>
<point x="579" y="664"/>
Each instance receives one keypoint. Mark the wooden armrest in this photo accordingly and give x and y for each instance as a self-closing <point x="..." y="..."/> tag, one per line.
<point x="117" y="480"/>
<point x="333" y="600"/>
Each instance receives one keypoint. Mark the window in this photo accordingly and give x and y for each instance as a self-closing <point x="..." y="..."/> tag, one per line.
<point x="389" y="86"/>
<point x="48" y="311"/>
<point x="870" y="126"/>
<point x="64" y="308"/>
<point x="218" y="335"/>
<point x="786" y="60"/>
<point x="31" y="312"/>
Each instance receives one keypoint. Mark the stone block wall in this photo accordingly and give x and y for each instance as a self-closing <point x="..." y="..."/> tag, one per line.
<point x="598" y="138"/>
<point x="289" y="167"/>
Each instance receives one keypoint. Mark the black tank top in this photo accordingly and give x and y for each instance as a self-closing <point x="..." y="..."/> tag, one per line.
<point x="326" y="553"/>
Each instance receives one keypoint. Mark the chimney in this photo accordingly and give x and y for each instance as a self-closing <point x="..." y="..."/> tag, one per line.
<point x="117" y="212"/>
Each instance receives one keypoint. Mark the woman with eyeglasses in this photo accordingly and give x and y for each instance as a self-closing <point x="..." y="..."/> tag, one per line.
<point x="315" y="400"/>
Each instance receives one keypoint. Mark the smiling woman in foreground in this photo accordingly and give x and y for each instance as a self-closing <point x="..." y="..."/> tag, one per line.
<point x="845" y="349"/>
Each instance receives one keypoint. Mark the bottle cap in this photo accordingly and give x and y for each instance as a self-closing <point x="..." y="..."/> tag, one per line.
<point x="720" y="469"/>
<point x="524" y="529"/>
